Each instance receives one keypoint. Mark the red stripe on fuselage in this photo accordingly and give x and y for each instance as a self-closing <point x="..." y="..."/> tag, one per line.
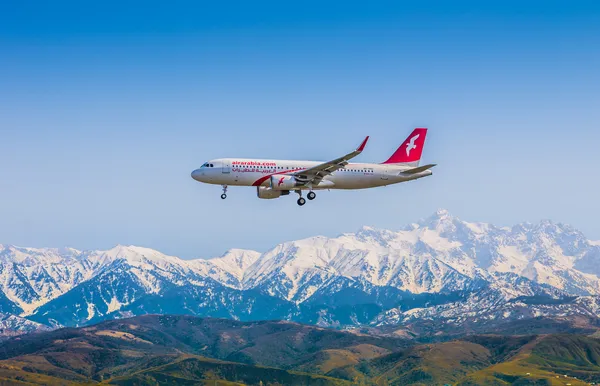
<point x="264" y="178"/>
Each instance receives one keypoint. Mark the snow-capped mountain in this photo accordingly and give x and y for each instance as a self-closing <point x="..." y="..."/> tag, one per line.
<point x="439" y="254"/>
<point x="438" y="265"/>
<point x="11" y="325"/>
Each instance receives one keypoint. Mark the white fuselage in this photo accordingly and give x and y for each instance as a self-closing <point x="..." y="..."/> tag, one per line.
<point x="258" y="172"/>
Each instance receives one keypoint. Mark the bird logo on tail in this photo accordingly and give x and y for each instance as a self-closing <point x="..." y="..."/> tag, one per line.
<point x="411" y="144"/>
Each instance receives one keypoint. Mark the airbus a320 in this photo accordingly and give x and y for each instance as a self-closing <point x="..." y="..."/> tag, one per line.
<point x="276" y="178"/>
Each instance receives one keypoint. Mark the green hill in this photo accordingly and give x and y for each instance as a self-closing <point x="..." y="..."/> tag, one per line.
<point x="192" y="370"/>
<point x="166" y="349"/>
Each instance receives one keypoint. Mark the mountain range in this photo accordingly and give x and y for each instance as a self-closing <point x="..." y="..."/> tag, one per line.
<point x="440" y="269"/>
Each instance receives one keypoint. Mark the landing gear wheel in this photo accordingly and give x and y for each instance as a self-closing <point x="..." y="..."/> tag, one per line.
<point x="224" y="195"/>
<point x="311" y="195"/>
<point x="301" y="201"/>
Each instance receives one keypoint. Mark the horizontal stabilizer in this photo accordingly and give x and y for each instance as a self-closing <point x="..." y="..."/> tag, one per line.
<point x="419" y="169"/>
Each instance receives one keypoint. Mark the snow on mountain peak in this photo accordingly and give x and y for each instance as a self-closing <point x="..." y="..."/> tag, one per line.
<point x="373" y="235"/>
<point x="236" y="262"/>
<point x="243" y="258"/>
<point x="136" y="256"/>
<point x="441" y="220"/>
<point x="439" y="254"/>
<point x="442" y="213"/>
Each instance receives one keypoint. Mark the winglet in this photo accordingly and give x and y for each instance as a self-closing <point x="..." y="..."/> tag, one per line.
<point x="363" y="144"/>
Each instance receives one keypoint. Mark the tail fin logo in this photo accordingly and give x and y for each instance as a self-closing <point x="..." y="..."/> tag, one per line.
<point x="411" y="144"/>
<point x="411" y="149"/>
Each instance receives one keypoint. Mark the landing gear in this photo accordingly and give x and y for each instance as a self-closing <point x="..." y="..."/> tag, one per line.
<point x="224" y="195"/>
<point x="301" y="201"/>
<point x="311" y="195"/>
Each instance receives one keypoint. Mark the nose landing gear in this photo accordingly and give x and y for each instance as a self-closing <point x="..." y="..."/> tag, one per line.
<point x="224" y="195"/>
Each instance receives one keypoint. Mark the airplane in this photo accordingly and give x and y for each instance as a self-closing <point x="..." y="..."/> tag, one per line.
<point x="276" y="178"/>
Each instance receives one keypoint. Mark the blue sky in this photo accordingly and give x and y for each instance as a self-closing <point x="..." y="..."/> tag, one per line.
<point x="106" y="107"/>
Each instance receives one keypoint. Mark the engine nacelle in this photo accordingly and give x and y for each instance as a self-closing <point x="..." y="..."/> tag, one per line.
<point x="282" y="182"/>
<point x="267" y="193"/>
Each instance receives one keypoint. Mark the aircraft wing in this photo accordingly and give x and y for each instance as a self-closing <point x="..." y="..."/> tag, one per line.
<point x="315" y="174"/>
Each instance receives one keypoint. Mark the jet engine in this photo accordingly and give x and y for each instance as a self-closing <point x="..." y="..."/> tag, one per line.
<point x="268" y="193"/>
<point x="282" y="182"/>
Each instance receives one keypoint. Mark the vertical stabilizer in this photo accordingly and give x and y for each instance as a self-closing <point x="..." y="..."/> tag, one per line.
<point x="410" y="151"/>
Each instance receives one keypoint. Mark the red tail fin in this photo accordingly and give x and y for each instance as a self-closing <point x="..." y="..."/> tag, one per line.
<point x="411" y="149"/>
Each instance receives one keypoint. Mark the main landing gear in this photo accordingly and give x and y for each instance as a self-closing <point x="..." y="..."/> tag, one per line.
<point x="301" y="201"/>
<point x="224" y="195"/>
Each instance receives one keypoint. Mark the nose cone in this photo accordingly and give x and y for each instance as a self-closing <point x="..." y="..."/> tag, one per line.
<point x="197" y="175"/>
